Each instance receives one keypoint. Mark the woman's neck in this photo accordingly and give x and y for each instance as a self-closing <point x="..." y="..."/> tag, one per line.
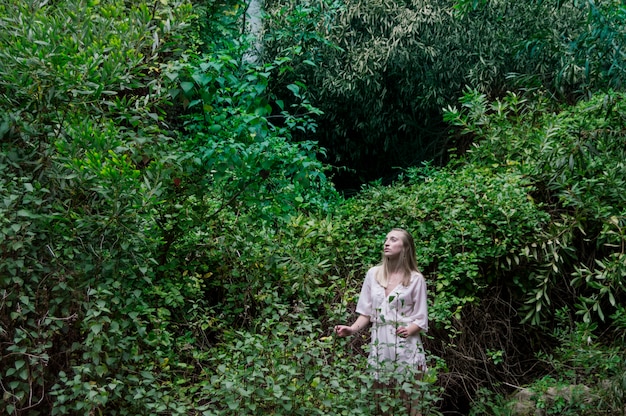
<point x="394" y="266"/>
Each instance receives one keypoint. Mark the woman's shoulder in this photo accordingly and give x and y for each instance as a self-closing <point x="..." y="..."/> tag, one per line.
<point x="371" y="272"/>
<point x="417" y="276"/>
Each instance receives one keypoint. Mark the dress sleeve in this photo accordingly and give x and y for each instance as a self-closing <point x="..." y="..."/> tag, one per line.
<point x="419" y="315"/>
<point x="365" y="304"/>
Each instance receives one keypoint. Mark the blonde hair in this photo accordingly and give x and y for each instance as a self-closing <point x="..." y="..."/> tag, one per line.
<point x="407" y="259"/>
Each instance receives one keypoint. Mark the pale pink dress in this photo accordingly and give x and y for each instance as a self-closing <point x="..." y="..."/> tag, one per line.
<point x="403" y="306"/>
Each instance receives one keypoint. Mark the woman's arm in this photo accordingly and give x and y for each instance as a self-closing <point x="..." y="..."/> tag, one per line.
<point x="361" y="322"/>
<point x="407" y="331"/>
<point x="418" y="315"/>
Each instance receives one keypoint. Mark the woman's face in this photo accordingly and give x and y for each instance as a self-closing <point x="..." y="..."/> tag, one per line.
<point x="393" y="244"/>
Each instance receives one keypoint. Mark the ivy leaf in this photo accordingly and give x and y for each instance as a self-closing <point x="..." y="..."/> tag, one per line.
<point x="187" y="86"/>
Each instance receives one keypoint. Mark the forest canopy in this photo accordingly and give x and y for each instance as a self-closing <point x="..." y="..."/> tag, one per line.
<point x="183" y="217"/>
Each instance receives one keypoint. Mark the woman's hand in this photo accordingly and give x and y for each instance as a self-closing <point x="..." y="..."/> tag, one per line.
<point x="343" y="330"/>
<point x="407" y="331"/>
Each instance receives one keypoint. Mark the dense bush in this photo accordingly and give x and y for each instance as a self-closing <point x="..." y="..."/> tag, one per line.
<point x="574" y="159"/>
<point x="167" y="245"/>
<point x="82" y="115"/>
<point x="288" y="367"/>
<point x="392" y="66"/>
<point x="107" y="167"/>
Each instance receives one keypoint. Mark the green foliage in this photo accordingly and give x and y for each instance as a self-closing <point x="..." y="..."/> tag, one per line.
<point x="575" y="159"/>
<point x="396" y="64"/>
<point x="586" y="57"/>
<point x="170" y="242"/>
<point x="559" y="398"/>
<point x="288" y="367"/>
<point x="587" y="376"/>
<point x="600" y="49"/>
<point x="99" y="191"/>
<point x="232" y="144"/>
<point x="98" y="187"/>
<point x="468" y="223"/>
<point x="487" y="402"/>
<point x="241" y="182"/>
<point x="81" y="110"/>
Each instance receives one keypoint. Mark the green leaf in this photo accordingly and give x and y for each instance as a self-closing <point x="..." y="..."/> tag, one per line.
<point x="96" y="328"/>
<point x="19" y="364"/>
<point x="294" y="89"/>
<point x="26" y="213"/>
<point x="187" y="86"/>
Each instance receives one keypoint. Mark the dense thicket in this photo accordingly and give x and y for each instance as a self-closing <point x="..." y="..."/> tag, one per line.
<point x="85" y="166"/>
<point x="108" y="175"/>
<point x="392" y="66"/>
<point x="171" y="244"/>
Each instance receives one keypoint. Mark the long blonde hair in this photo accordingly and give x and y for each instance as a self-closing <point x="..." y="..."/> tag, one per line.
<point x="408" y="260"/>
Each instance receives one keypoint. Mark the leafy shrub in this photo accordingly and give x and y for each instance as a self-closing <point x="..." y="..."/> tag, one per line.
<point x="468" y="224"/>
<point x="288" y="367"/>
<point x="585" y="376"/>
<point x="167" y="246"/>
<point x="574" y="158"/>
<point x="81" y="115"/>
<point x="385" y="69"/>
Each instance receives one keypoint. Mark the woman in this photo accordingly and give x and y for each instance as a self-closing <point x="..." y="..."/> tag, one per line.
<point x="393" y="299"/>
